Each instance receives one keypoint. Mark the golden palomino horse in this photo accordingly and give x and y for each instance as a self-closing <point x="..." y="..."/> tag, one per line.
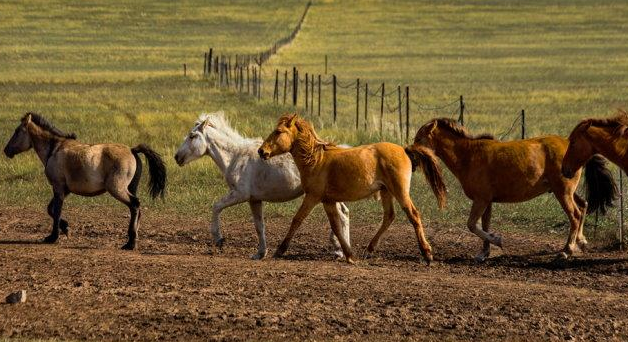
<point x="330" y="174"/>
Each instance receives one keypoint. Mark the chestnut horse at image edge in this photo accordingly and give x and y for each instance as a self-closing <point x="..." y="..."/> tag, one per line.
<point x="608" y="137"/>
<point x="87" y="170"/>
<point x="515" y="171"/>
<point x="330" y="174"/>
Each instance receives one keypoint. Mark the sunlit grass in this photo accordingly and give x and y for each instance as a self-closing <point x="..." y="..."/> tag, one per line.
<point x="113" y="73"/>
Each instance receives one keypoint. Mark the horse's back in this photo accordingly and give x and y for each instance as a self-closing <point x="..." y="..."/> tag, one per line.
<point x="87" y="168"/>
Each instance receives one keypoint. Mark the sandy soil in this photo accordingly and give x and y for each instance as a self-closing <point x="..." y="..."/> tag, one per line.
<point x="84" y="287"/>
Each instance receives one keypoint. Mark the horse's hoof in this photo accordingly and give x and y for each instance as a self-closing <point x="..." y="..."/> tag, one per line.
<point x="339" y="255"/>
<point x="51" y="238"/>
<point x="497" y="241"/>
<point x="63" y="226"/>
<point x="480" y="258"/>
<point x="258" y="256"/>
<point x="128" y="247"/>
<point x="350" y="261"/>
<point x="562" y="256"/>
<point x="277" y="255"/>
<point x="220" y="242"/>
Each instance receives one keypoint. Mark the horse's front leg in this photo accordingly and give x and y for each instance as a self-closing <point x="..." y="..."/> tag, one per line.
<point x="258" y="219"/>
<point x="232" y="198"/>
<point x="57" y="204"/>
<point x="309" y="202"/>
<point x="63" y="224"/>
<point x="486" y="226"/>
<point x="477" y="210"/>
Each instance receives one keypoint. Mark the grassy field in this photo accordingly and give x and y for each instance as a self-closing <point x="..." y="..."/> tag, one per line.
<point x="113" y="72"/>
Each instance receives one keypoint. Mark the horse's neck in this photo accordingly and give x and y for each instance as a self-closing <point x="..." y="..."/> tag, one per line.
<point x="305" y="156"/>
<point x="43" y="144"/>
<point x="453" y="151"/>
<point x="223" y="152"/>
<point x="612" y="148"/>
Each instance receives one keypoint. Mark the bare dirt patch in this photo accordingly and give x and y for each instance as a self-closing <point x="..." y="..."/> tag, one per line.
<point x="84" y="287"/>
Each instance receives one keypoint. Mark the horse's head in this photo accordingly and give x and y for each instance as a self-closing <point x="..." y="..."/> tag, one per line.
<point x="579" y="150"/>
<point x="195" y="144"/>
<point x="425" y="135"/>
<point x="21" y="140"/>
<point x="281" y="139"/>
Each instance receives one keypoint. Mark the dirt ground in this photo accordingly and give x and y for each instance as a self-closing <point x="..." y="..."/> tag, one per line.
<point x="84" y="287"/>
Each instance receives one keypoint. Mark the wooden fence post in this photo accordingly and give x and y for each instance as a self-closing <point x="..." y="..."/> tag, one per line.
<point x="229" y="78"/>
<point x="248" y="80"/>
<point x="523" y="124"/>
<point x="357" y="104"/>
<point x="205" y="65"/>
<point x="221" y="72"/>
<point x="319" y="95"/>
<point x="325" y="64"/>
<point x="307" y="91"/>
<point x="366" y="105"/>
<point x="407" y="113"/>
<point x="285" y="86"/>
<point x="381" y="113"/>
<point x="259" y="83"/>
<point x="334" y="90"/>
<point x="295" y="82"/>
<point x="461" y="118"/>
<point x="312" y="95"/>
<point x="241" y="78"/>
<point x="185" y="70"/>
<point x="276" y="91"/>
<point x="399" y="109"/>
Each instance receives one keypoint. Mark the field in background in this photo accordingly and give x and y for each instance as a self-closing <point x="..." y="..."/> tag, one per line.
<point x="114" y="73"/>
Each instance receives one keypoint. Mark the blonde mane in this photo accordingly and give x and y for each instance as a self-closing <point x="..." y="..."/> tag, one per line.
<point x="218" y="121"/>
<point x="310" y="145"/>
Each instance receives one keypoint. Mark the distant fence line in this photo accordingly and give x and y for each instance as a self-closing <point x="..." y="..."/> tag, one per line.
<point x="306" y="93"/>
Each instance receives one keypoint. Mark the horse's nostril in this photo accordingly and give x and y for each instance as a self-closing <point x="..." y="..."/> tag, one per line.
<point x="260" y="152"/>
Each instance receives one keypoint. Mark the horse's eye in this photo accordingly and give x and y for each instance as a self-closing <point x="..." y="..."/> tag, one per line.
<point x="277" y="132"/>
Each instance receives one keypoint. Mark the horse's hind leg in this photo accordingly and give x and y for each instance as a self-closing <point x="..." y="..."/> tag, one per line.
<point x="63" y="224"/>
<point x="334" y="220"/>
<point x="131" y="201"/>
<point x="258" y="220"/>
<point x="389" y="217"/>
<point x="56" y="205"/>
<point x="581" y="240"/>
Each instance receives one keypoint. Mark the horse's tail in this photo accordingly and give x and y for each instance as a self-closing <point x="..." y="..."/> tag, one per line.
<point x="156" y="168"/>
<point x="600" y="186"/>
<point x="425" y="159"/>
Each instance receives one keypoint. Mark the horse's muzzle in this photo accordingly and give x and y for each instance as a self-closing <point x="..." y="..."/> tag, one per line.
<point x="9" y="153"/>
<point x="262" y="154"/>
<point x="178" y="159"/>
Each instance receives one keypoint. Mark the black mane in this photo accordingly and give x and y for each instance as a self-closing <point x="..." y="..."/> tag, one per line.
<point x="48" y="126"/>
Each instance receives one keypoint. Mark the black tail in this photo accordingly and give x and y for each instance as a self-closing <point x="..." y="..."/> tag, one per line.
<point x="156" y="168"/>
<point x="600" y="185"/>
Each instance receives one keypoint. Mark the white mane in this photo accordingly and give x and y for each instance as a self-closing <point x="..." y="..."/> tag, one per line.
<point x="220" y="124"/>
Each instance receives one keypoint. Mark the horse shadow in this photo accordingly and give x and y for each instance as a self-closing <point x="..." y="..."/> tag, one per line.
<point x="22" y="242"/>
<point x="550" y="262"/>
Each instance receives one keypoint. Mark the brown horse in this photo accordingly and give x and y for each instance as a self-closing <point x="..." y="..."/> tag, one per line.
<point x="515" y="171"/>
<point x="608" y="137"/>
<point x="87" y="170"/>
<point x="330" y="174"/>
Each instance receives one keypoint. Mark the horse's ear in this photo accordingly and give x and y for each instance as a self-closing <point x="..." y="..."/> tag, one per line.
<point x="291" y="121"/>
<point x="27" y="118"/>
<point x="433" y="127"/>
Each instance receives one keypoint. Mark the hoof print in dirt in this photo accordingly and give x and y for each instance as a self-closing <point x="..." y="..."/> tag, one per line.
<point x="16" y="297"/>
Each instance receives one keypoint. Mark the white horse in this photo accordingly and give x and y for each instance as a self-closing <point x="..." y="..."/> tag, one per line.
<point x="250" y="178"/>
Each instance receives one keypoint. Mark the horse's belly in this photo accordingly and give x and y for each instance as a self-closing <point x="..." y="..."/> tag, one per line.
<point x="350" y="191"/>
<point x="520" y="194"/>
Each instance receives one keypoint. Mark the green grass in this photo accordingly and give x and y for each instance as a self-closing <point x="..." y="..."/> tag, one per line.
<point x="113" y="73"/>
